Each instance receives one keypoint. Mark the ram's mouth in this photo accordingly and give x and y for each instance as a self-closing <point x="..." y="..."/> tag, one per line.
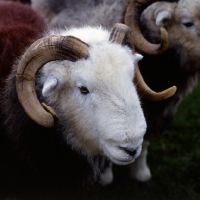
<point x="123" y="156"/>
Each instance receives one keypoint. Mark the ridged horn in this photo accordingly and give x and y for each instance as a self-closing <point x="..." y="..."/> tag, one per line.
<point x="132" y="18"/>
<point x="44" y="50"/>
<point x="120" y="34"/>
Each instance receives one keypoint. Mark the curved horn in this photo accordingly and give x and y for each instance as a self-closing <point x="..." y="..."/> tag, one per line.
<point x="119" y="34"/>
<point x="39" y="53"/>
<point x="132" y="18"/>
<point x="150" y="94"/>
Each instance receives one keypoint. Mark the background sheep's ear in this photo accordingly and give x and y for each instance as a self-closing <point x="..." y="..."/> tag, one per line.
<point x="50" y="84"/>
<point x="163" y="17"/>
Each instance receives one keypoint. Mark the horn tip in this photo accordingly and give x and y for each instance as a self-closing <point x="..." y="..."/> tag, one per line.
<point x="171" y="91"/>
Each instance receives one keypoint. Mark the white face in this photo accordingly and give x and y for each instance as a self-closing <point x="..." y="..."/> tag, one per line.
<point x="97" y="102"/>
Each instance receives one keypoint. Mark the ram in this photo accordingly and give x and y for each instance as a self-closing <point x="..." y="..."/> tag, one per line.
<point x="67" y="104"/>
<point x="180" y="62"/>
<point x="179" y="59"/>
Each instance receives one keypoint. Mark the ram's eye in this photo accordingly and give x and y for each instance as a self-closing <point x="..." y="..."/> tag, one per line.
<point x="188" y="24"/>
<point x="84" y="90"/>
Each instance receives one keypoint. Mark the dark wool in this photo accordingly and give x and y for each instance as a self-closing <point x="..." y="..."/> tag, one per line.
<point x="33" y="158"/>
<point x="37" y="158"/>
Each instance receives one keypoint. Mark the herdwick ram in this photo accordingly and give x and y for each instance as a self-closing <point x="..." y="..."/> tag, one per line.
<point x="90" y="107"/>
<point x="180" y="62"/>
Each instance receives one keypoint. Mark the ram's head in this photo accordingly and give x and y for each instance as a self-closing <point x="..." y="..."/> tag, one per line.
<point x="180" y="20"/>
<point x="88" y="83"/>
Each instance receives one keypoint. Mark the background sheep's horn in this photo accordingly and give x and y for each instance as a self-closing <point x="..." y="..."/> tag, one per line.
<point x="132" y="18"/>
<point x="39" y="53"/>
<point x="120" y="34"/>
<point x="150" y="94"/>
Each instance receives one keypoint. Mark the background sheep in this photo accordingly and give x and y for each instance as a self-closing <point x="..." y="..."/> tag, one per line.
<point x="75" y="13"/>
<point x="179" y="62"/>
<point x="17" y="22"/>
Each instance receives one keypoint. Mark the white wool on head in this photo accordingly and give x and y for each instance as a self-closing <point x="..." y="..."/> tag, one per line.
<point x="108" y="120"/>
<point x="88" y="34"/>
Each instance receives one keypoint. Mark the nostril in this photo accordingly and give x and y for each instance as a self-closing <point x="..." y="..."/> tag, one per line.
<point x="129" y="151"/>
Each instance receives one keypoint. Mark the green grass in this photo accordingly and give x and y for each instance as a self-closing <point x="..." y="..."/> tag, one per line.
<point x="174" y="161"/>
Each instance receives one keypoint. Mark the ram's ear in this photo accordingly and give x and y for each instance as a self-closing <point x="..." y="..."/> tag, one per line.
<point x="163" y="17"/>
<point x="136" y="57"/>
<point x="52" y="83"/>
